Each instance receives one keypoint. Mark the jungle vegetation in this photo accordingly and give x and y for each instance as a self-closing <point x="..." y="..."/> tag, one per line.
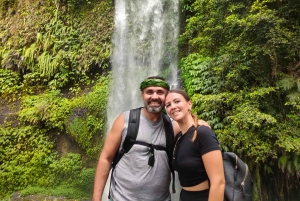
<point x="239" y="60"/>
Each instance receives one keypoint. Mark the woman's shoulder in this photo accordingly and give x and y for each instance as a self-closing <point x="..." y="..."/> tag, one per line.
<point x="204" y="130"/>
<point x="206" y="139"/>
<point x="205" y="133"/>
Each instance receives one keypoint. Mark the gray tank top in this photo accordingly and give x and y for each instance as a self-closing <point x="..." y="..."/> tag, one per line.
<point x="133" y="179"/>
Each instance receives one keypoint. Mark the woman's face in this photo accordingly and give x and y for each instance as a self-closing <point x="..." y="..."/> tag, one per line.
<point x="176" y="106"/>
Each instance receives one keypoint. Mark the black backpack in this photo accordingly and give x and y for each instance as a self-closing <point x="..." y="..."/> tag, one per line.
<point x="238" y="180"/>
<point x="130" y="140"/>
<point x="239" y="185"/>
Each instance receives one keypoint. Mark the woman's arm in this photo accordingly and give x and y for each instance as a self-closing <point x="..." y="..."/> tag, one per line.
<point x="213" y="163"/>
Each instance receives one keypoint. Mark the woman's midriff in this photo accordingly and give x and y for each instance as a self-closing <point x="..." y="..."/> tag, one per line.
<point x="199" y="187"/>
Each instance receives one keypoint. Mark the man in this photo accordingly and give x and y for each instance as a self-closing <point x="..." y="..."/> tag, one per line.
<point x="133" y="179"/>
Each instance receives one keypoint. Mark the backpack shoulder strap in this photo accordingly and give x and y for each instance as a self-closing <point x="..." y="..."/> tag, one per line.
<point x="169" y="132"/>
<point x="132" y="131"/>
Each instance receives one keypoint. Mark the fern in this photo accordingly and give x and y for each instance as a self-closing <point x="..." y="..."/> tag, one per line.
<point x="47" y="65"/>
<point x="287" y="83"/>
<point x="29" y="56"/>
<point x="39" y="38"/>
<point x="293" y="96"/>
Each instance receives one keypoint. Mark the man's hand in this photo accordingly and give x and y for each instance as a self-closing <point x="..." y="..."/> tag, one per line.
<point x="203" y="123"/>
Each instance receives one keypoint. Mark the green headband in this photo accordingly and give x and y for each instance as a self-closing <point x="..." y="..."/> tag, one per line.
<point x="154" y="82"/>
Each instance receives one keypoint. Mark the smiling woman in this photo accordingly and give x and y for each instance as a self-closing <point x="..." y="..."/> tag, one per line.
<point x="197" y="157"/>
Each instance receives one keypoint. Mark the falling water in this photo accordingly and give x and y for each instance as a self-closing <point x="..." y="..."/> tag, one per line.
<point x="145" y="44"/>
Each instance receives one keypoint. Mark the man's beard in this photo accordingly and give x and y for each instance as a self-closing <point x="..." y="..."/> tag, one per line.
<point x="153" y="109"/>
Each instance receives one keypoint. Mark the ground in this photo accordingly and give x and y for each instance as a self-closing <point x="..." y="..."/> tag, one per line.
<point x="16" y="197"/>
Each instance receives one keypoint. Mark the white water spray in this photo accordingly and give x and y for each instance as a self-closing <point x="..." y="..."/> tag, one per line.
<point x="145" y="44"/>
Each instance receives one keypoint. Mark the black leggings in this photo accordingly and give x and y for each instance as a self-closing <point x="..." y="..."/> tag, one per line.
<point x="194" y="195"/>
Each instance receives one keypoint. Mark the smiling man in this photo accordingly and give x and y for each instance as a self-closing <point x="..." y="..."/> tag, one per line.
<point x="134" y="177"/>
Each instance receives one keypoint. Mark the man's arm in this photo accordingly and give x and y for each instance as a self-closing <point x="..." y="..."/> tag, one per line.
<point x="203" y="123"/>
<point x="111" y="145"/>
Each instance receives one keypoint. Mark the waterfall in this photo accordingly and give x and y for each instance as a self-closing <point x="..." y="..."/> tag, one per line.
<point x="144" y="44"/>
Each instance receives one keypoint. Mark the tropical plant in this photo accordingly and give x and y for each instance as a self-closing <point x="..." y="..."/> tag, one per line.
<point x="242" y="71"/>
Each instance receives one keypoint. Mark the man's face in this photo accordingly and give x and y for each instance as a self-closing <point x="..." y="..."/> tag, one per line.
<point x="154" y="98"/>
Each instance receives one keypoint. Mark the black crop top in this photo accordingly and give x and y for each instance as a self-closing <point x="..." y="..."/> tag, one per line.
<point x="187" y="159"/>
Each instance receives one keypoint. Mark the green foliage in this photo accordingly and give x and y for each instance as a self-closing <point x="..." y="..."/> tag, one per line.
<point x="67" y="169"/>
<point x="84" y="182"/>
<point x="87" y="121"/>
<point x="63" y="45"/>
<point x="48" y="109"/>
<point x="83" y="117"/>
<point x="52" y="64"/>
<point x="290" y="163"/>
<point x="243" y="40"/>
<point x="246" y="132"/>
<point x="11" y="59"/>
<point x="291" y="86"/>
<point x="33" y="83"/>
<point x="10" y="85"/>
<point x="80" y="187"/>
<point x="198" y="67"/>
<point x="28" y="159"/>
<point x="25" y="155"/>
<point x="30" y="54"/>
<point x="73" y="4"/>
<point x="5" y="4"/>
<point x="242" y="70"/>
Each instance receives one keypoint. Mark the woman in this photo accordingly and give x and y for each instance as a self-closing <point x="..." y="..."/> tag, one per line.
<point x="197" y="156"/>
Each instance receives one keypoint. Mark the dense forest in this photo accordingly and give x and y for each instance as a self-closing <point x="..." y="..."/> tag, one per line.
<point x="239" y="60"/>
